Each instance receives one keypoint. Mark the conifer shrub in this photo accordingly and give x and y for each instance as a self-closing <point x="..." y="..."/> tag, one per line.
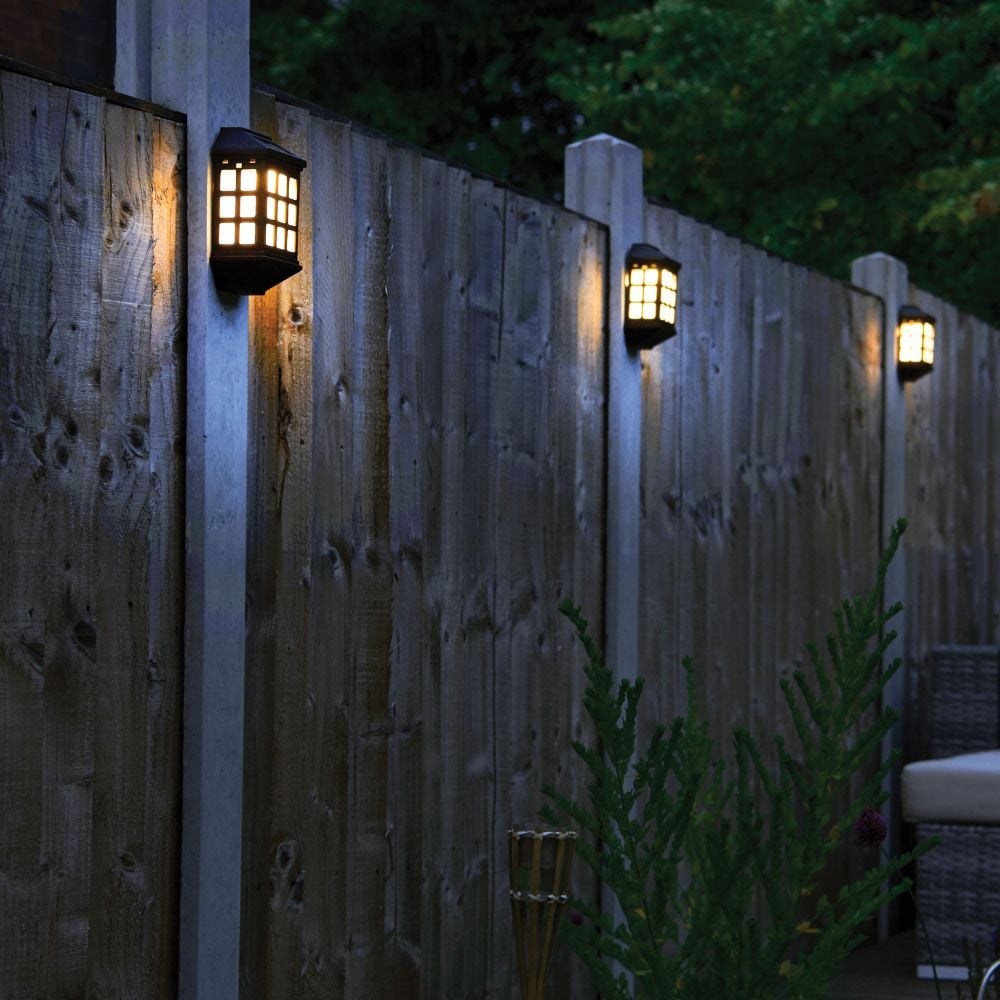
<point x="715" y="868"/>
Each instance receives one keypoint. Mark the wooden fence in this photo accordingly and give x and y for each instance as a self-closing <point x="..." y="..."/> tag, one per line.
<point x="761" y="476"/>
<point x="426" y="482"/>
<point x="91" y="544"/>
<point x="953" y="503"/>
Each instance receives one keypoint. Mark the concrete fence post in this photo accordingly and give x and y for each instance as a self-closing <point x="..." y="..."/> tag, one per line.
<point x="194" y="56"/>
<point x="888" y="278"/>
<point x="604" y="181"/>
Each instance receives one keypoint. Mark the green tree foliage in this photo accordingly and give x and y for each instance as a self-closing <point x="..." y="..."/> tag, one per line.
<point x="822" y="129"/>
<point x="464" y="78"/>
<point x="747" y="919"/>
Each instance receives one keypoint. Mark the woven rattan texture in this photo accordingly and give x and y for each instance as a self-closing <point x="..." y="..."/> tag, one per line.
<point x="958" y="891"/>
<point x="966" y="705"/>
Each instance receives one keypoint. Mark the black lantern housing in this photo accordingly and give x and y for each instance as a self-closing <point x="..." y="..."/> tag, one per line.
<point x="915" y="334"/>
<point x="650" y="296"/>
<point x="255" y="212"/>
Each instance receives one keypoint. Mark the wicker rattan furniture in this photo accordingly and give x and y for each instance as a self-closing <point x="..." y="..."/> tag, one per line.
<point x="958" y="882"/>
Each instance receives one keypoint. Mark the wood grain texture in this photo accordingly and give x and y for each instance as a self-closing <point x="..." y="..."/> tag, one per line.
<point x="328" y="718"/>
<point x="91" y="390"/>
<point x="760" y="476"/>
<point x="953" y="497"/>
<point x="50" y="345"/>
<point x="455" y="494"/>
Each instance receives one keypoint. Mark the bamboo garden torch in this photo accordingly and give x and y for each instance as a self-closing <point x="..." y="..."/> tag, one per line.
<point x="539" y="878"/>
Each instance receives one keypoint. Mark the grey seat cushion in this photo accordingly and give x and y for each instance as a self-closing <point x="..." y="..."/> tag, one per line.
<point x="961" y="789"/>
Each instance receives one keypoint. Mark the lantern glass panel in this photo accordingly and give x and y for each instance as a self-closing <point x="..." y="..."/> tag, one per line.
<point x="248" y="206"/>
<point x="271" y="210"/>
<point x="282" y="185"/>
<point x="227" y="233"/>
<point x="290" y="246"/>
<point x="916" y="342"/>
<point x="269" y="235"/>
<point x="293" y="189"/>
<point x="227" y="206"/>
<point x="227" y="180"/>
<point x="272" y="181"/>
<point x="248" y="179"/>
<point x="248" y="233"/>
<point x="293" y="215"/>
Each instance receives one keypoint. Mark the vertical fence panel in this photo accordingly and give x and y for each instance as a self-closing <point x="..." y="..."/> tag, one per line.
<point x="776" y="434"/>
<point x="457" y="484"/>
<point x="436" y="218"/>
<point x="262" y="500"/>
<point x="405" y="809"/>
<point x="90" y="486"/>
<point x="50" y="257"/>
<point x="326" y="751"/>
<point x="953" y="488"/>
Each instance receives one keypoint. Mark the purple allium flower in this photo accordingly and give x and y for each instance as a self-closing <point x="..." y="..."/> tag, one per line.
<point x="870" y="828"/>
<point x="575" y="917"/>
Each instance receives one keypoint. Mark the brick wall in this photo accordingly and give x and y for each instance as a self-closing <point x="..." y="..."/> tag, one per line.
<point x="72" y="37"/>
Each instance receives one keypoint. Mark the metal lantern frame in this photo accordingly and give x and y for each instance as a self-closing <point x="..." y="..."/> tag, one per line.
<point x="912" y="368"/>
<point x="643" y="331"/>
<point x="256" y="212"/>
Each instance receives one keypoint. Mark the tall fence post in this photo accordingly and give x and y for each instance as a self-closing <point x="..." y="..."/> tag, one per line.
<point x="888" y="278"/>
<point x="604" y="182"/>
<point x="194" y="56"/>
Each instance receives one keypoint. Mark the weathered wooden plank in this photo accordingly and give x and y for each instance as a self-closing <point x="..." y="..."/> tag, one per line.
<point x="406" y="808"/>
<point x="475" y="884"/>
<point x="290" y="308"/>
<point x="122" y="885"/>
<point x="262" y="499"/>
<point x="727" y="501"/>
<point x="435" y="221"/>
<point x="165" y="586"/>
<point x="521" y="427"/>
<point x="330" y="695"/>
<point x="754" y="311"/>
<point x="26" y="260"/>
<point x="371" y="576"/>
<point x="68" y="447"/>
<point x="573" y="468"/>
<point x="661" y="509"/>
<point x="50" y="218"/>
<point x="695" y="442"/>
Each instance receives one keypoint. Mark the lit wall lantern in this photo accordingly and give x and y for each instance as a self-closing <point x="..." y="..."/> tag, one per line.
<point x="255" y="212"/>
<point x="914" y="342"/>
<point x="650" y="296"/>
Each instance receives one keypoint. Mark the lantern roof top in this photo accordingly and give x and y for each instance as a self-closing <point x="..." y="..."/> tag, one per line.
<point x="910" y="311"/>
<point x="646" y="253"/>
<point x="245" y="142"/>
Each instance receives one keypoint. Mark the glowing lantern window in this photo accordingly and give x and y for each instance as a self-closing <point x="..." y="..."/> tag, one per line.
<point x="914" y="342"/>
<point x="255" y="212"/>
<point x="650" y="296"/>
